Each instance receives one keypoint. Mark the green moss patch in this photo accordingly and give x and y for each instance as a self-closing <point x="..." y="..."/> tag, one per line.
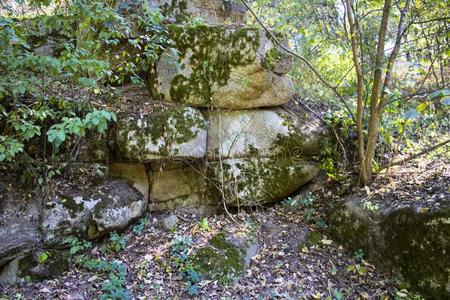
<point x="222" y="260"/>
<point x="212" y="51"/>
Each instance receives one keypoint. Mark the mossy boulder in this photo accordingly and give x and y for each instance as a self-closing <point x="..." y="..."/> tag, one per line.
<point x="256" y="181"/>
<point x="175" y="132"/>
<point x="220" y="66"/>
<point x="410" y="242"/>
<point x="91" y="213"/>
<point x="226" y="257"/>
<point x="263" y="133"/>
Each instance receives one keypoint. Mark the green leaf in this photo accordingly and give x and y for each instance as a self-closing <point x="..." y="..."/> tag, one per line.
<point x="422" y="107"/>
<point x="440" y="93"/>
<point x="42" y="258"/>
<point x="445" y="101"/>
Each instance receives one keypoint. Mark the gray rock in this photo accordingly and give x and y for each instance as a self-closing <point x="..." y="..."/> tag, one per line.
<point x="263" y="133"/>
<point x="170" y="222"/>
<point x="91" y="213"/>
<point x="256" y="181"/>
<point x="177" y="132"/>
<point x="218" y="66"/>
<point x="56" y="262"/>
<point x="19" y="226"/>
<point x="9" y="274"/>
<point x="134" y="173"/>
<point x="226" y="256"/>
<point x="211" y="11"/>
<point x="407" y="241"/>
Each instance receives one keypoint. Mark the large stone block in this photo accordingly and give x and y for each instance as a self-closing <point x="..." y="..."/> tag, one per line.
<point x="19" y="226"/>
<point x="218" y="66"/>
<point x="257" y="181"/>
<point x="176" y="187"/>
<point x="175" y="132"/>
<point x="263" y="133"/>
<point x="91" y="212"/>
<point x="211" y="11"/>
<point x="410" y="242"/>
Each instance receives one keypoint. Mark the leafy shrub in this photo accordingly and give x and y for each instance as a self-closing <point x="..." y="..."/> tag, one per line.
<point x="182" y="262"/>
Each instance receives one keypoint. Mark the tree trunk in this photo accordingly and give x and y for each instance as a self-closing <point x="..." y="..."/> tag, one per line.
<point x="356" y="50"/>
<point x="374" y="119"/>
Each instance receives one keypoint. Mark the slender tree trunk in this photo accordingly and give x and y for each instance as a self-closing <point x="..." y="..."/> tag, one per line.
<point x="356" y="50"/>
<point x="374" y="119"/>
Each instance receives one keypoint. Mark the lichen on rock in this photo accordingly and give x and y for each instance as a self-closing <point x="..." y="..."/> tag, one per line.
<point x="256" y="181"/>
<point x="226" y="257"/>
<point x="220" y="66"/>
<point x="165" y="133"/>
<point x="410" y="243"/>
<point x="91" y="213"/>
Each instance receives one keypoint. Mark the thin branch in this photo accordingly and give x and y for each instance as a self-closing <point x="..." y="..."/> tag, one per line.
<point x="416" y="155"/>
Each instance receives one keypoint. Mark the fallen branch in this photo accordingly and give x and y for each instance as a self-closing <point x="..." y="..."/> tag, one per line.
<point x="416" y="155"/>
<point x="289" y="51"/>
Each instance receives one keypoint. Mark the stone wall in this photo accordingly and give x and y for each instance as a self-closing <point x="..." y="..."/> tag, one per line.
<point x="219" y="129"/>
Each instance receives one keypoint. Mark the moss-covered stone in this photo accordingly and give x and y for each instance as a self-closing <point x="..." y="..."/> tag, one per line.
<point x="262" y="133"/>
<point x="92" y="213"/>
<point x="225" y="258"/>
<point x="256" y="181"/>
<point x="218" y="66"/>
<point x="410" y="243"/>
<point x="173" y="132"/>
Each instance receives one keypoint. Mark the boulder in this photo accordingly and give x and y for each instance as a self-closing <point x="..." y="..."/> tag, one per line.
<point x="219" y="66"/>
<point x="409" y="241"/>
<point x="134" y="173"/>
<point x="175" y="188"/>
<point x="175" y="132"/>
<point x="263" y="133"/>
<point x="38" y="265"/>
<point x="257" y="181"/>
<point x="19" y="225"/>
<point x="210" y="11"/>
<point x="226" y="257"/>
<point x="92" y="212"/>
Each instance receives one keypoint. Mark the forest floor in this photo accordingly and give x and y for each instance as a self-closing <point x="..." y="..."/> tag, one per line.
<point x="280" y="270"/>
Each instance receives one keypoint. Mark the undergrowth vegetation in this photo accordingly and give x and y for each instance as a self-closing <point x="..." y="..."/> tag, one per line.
<point x="60" y="64"/>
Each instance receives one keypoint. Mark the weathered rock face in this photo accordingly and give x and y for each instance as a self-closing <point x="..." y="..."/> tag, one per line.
<point x="256" y="181"/>
<point x="218" y="66"/>
<point x="92" y="213"/>
<point x="134" y="173"/>
<point x="410" y="242"/>
<point x="211" y="11"/>
<point x="226" y="257"/>
<point x="34" y="265"/>
<point x="176" y="186"/>
<point x="263" y="133"/>
<point x="19" y="227"/>
<point x="176" y="132"/>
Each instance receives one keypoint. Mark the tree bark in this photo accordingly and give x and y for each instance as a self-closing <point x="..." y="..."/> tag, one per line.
<point x="356" y="51"/>
<point x="374" y="119"/>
